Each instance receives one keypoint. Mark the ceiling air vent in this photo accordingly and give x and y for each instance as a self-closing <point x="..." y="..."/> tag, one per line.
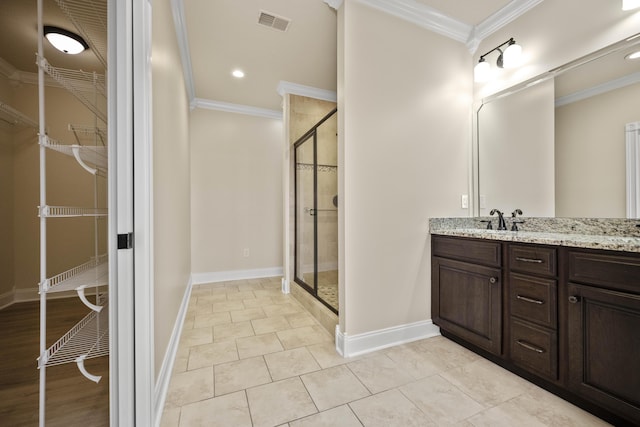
<point x="272" y="21"/>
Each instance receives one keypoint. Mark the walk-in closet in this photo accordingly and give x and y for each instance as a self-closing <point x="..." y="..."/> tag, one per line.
<point x="53" y="214"/>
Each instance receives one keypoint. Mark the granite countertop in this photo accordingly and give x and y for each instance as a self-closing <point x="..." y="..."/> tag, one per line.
<point x="614" y="235"/>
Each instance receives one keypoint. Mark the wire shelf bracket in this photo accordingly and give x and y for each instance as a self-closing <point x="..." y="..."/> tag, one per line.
<point x="91" y="158"/>
<point x="69" y="212"/>
<point x="88" y="339"/>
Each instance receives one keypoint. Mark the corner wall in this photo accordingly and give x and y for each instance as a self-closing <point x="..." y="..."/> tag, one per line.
<point x="405" y="130"/>
<point x="236" y="196"/>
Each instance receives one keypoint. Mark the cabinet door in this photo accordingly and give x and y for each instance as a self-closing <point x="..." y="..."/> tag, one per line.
<point x="468" y="302"/>
<point x="604" y="348"/>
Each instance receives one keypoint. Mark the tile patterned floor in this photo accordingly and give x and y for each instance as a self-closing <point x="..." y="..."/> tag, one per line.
<point x="251" y="356"/>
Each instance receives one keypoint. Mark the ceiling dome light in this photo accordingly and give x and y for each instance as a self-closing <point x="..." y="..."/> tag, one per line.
<point x="238" y="74"/>
<point x="65" y="41"/>
<point x="630" y="4"/>
<point x="482" y="71"/>
<point x="634" y="55"/>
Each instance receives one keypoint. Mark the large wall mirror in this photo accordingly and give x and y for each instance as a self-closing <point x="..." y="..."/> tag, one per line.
<point x="555" y="145"/>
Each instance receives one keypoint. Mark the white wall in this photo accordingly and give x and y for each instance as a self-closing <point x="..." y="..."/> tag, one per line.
<point x="590" y="150"/>
<point x="405" y="102"/>
<point x="171" y="179"/>
<point x="236" y="193"/>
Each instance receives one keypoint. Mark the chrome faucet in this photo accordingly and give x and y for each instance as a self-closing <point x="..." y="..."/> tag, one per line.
<point x="501" y="224"/>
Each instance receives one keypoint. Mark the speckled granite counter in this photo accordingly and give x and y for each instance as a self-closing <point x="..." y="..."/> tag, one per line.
<point x="609" y="234"/>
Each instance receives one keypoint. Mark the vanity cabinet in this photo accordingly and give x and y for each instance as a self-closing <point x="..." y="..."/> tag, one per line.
<point x="532" y="294"/>
<point x="603" y="311"/>
<point x="467" y="278"/>
<point x="565" y="318"/>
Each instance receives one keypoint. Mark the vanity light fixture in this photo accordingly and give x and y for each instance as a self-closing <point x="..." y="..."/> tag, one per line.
<point x="509" y="58"/>
<point x="630" y="4"/>
<point x="65" y="41"/>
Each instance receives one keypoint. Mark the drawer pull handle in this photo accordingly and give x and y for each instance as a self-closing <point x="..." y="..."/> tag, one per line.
<point x="493" y="279"/>
<point x="529" y="346"/>
<point x="531" y="300"/>
<point x="531" y="260"/>
<point x="574" y="299"/>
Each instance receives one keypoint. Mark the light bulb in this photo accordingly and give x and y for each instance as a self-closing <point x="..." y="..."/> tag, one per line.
<point x="511" y="56"/>
<point x="482" y="71"/>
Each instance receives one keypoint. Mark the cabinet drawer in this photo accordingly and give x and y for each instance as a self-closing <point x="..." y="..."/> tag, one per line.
<point x="533" y="299"/>
<point x="464" y="249"/>
<point x="533" y="259"/>
<point x="615" y="271"/>
<point x="534" y="348"/>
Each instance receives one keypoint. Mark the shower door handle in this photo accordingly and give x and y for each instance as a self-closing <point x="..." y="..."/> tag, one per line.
<point x="311" y="211"/>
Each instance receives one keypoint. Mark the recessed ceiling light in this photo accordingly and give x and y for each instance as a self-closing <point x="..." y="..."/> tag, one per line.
<point x="65" y="41"/>
<point x="238" y="74"/>
<point x="634" y="55"/>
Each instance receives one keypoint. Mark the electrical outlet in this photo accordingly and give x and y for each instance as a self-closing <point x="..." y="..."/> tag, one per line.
<point x="483" y="201"/>
<point x="245" y="252"/>
<point x="464" y="201"/>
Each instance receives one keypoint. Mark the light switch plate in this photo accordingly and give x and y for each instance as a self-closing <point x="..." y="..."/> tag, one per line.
<point x="464" y="201"/>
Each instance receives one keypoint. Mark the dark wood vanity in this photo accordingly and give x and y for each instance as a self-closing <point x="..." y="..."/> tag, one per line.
<point x="565" y="318"/>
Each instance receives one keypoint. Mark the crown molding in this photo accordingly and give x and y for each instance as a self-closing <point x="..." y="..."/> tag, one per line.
<point x="209" y="104"/>
<point x="308" y="91"/>
<point x="499" y="19"/>
<point x="177" y="9"/>
<point x="423" y="16"/>
<point x="436" y="21"/>
<point x="598" y="90"/>
<point x="335" y="4"/>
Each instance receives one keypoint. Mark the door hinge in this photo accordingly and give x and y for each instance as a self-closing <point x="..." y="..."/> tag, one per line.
<point x="125" y="241"/>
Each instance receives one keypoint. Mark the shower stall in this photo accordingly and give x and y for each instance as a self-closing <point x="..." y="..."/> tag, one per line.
<point x="316" y="211"/>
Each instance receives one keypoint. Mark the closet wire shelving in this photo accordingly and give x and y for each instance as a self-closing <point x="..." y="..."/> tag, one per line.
<point x="89" y="338"/>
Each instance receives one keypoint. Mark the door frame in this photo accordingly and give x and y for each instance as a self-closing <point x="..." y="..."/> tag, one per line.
<point x="130" y="206"/>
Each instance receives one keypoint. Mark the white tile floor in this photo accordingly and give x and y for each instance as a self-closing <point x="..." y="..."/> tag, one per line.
<point x="251" y="356"/>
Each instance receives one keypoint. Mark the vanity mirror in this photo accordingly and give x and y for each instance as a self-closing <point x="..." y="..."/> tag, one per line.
<point x="555" y="145"/>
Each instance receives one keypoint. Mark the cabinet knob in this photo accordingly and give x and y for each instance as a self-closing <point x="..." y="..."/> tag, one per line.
<point x="574" y="299"/>
<point x="493" y="279"/>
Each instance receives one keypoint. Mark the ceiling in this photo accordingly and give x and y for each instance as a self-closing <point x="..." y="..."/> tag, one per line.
<point x="223" y="35"/>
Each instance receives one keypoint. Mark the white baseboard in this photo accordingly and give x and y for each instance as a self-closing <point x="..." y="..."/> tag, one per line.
<point x="224" y="276"/>
<point x="354" y="345"/>
<point x="164" y="376"/>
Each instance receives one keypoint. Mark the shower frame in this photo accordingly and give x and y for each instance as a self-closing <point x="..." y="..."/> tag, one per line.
<point x="297" y="276"/>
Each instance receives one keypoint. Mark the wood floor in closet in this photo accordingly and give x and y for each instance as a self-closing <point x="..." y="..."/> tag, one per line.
<point x="72" y="400"/>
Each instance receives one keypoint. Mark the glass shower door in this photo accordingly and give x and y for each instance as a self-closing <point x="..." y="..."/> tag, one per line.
<point x="305" y="258"/>
<point x="316" y="210"/>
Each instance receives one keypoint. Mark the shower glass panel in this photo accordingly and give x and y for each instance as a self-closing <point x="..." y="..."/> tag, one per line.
<point x="316" y="201"/>
<point x="305" y="203"/>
